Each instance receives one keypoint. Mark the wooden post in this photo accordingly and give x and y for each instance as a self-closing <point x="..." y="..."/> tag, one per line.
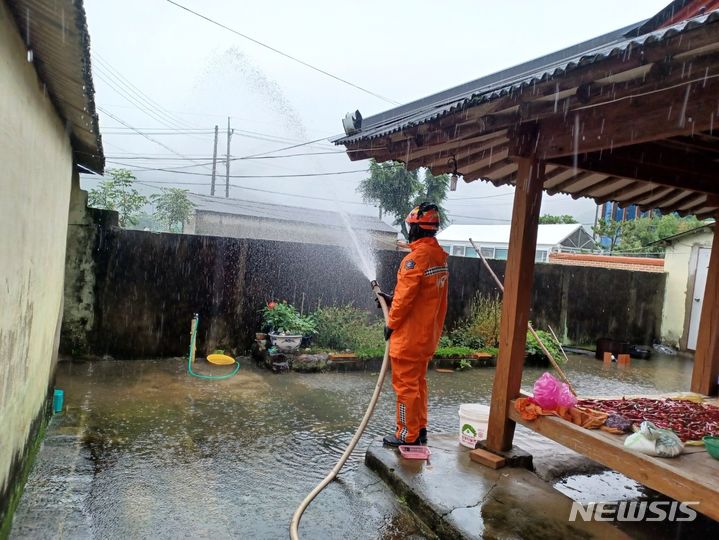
<point x="706" y="356"/>
<point x="516" y="303"/>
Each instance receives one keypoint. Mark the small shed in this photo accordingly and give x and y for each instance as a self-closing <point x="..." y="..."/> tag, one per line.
<point x="235" y="218"/>
<point x="628" y="117"/>
<point x="686" y="263"/>
<point x="493" y="240"/>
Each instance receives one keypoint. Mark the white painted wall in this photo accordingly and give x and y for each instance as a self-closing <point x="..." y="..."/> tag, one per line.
<point x="680" y="262"/>
<point x="35" y="180"/>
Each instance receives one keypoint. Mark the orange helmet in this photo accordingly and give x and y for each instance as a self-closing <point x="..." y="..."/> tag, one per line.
<point x="426" y="216"/>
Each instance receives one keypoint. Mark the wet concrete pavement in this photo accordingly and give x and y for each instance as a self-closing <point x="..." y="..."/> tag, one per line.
<point x="145" y="450"/>
<point x="54" y="501"/>
<point x="461" y="499"/>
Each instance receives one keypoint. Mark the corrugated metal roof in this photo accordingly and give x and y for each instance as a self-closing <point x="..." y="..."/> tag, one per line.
<point x="507" y="81"/>
<point x="547" y="235"/>
<point x="57" y="34"/>
<point x="237" y="207"/>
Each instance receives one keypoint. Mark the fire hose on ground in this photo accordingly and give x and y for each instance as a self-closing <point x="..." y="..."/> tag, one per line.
<point x="297" y="516"/>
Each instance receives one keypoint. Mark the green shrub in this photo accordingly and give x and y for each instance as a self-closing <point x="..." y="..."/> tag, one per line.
<point x="346" y="327"/>
<point x="480" y="328"/>
<point x="454" y="352"/>
<point x="370" y="353"/>
<point x="463" y="364"/>
<point x="533" y="348"/>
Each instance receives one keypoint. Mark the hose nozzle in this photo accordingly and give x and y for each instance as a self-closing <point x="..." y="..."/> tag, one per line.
<point x="373" y="284"/>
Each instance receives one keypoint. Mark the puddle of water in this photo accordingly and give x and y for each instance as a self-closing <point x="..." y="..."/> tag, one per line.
<point x="233" y="458"/>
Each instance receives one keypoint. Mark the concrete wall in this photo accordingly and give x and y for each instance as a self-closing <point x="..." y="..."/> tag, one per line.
<point x="35" y="178"/>
<point x="84" y="225"/>
<point x="231" y="226"/>
<point x="148" y="285"/>
<point x="680" y="261"/>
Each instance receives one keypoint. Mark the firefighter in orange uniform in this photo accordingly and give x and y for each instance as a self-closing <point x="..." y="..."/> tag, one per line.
<point x="416" y="319"/>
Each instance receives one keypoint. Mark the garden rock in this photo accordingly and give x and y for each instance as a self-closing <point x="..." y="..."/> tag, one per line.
<point x="310" y="363"/>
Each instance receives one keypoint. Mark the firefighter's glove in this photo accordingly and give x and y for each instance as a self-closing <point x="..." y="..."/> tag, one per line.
<point x="387" y="298"/>
<point x="387" y="333"/>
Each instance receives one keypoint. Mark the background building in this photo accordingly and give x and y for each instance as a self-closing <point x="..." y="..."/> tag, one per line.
<point x="686" y="262"/>
<point x="234" y="218"/>
<point x="493" y="240"/>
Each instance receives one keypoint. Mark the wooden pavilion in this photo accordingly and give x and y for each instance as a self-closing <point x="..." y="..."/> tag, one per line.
<point x="627" y="117"/>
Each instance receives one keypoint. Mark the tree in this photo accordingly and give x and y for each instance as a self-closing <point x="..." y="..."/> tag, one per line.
<point x="118" y="194"/>
<point x="172" y="207"/>
<point x="608" y="228"/>
<point x="398" y="190"/>
<point x="640" y="235"/>
<point x="548" y="219"/>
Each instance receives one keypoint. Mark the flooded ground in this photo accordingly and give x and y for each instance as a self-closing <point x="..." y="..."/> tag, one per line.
<point x="176" y="456"/>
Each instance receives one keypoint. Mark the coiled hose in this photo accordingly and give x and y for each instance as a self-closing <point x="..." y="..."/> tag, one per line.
<point x="191" y="356"/>
<point x="297" y="516"/>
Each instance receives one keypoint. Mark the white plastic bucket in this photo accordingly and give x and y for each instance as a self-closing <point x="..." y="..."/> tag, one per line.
<point x="473" y="419"/>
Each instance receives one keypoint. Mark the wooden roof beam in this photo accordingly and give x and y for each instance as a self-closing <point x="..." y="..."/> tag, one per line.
<point x="655" y="195"/>
<point x="607" y="183"/>
<point x="673" y="196"/>
<point x="660" y="115"/>
<point x="459" y="147"/>
<point x="581" y="176"/>
<point x="498" y="170"/>
<point x="660" y="165"/>
<point x="687" y="200"/>
<point x="628" y="193"/>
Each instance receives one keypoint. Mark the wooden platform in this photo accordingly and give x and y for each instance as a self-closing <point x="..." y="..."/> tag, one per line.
<point x="693" y="476"/>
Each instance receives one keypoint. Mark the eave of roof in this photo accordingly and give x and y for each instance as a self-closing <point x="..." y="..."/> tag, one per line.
<point x="504" y="82"/>
<point x="57" y="34"/>
<point x="644" y="106"/>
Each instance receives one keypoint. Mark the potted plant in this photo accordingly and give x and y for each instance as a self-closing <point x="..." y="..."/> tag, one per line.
<point x="286" y="326"/>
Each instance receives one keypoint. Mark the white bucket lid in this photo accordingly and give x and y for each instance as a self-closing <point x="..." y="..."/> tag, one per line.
<point x="473" y="409"/>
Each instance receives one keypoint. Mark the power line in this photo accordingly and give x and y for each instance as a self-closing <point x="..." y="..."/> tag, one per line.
<point x="293" y="58"/>
<point x="259" y="190"/>
<point x="159" y="169"/>
<point x="125" y="82"/>
<point x="149" y="157"/>
<point x="138" y="131"/>
<point x="121" y="89"/>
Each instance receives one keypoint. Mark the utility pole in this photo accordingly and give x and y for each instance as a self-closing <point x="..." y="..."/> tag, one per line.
<point x="214" y="163"/>
<point x="227" y="165"/>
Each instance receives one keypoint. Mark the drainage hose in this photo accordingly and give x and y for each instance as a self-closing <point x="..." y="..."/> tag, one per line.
<point x="294" y="525"/>
<point x="191" y="356"/>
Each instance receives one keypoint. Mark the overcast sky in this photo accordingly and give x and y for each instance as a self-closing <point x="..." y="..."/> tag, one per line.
<point x="165" y="71"/>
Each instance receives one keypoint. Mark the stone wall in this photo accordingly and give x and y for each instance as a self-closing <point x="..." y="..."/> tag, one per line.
<point x="148" y="285"/>
<point x="36" y="176"/>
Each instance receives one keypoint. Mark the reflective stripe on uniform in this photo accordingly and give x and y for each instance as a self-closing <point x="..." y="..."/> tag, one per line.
<point x="436" y="270"/>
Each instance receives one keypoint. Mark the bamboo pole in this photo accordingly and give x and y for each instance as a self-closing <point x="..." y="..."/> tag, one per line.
<point x="529" y="324"/>
<point x="559" y="344"/>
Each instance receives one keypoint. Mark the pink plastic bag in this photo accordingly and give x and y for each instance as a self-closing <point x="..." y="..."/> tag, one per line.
<point x="549" y="393"/>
